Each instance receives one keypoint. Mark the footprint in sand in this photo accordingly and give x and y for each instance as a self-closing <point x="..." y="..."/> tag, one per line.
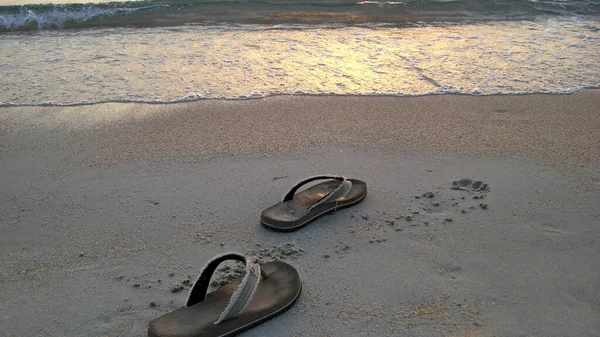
<point x="547" y="229"/>
<point x="467" y="184"/>
<point x="452" y="270"/>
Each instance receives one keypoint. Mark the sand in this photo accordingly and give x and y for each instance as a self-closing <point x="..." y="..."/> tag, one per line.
<point x="107" y="211"/>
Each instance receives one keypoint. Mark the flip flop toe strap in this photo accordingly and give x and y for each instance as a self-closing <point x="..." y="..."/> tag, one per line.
<point x="341" y="190"/>
<point x="243" y="294"/>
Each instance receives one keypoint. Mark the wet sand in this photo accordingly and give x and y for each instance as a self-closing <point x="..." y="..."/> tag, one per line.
<point x="107" y="211"/>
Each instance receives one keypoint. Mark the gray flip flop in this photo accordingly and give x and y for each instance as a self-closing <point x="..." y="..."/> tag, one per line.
<point x="265" y="291"/>
<point x="297" y="209"/>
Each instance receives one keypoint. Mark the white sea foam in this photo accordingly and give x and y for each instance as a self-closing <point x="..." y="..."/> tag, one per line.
<point x="57" y="17"/>
<point x="169" y="65"/>
<point x="380" y="3"/>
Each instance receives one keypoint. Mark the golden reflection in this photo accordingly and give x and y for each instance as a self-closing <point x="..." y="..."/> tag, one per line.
<point x="195" y="62"/>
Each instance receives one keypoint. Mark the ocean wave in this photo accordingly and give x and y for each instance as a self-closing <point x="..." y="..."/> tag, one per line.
<point x="51" y="16"/>
<point x="57" y="17"/>
<point x="154" y="13"/>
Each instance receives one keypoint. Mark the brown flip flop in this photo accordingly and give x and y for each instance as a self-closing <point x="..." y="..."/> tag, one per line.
<point x="297" y="209"/>
<point x="265" y="291"/>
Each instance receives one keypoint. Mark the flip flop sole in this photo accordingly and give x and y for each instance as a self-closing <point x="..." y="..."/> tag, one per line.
<point x="266" y="318"/>
<point x="275" y="294"/>
<point x="308" y="221"/>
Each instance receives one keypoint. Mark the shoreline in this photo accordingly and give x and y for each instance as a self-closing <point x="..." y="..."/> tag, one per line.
<point x="183" y="100"/>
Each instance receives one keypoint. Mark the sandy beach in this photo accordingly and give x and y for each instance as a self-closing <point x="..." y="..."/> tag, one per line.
<point x="108" y="210"/>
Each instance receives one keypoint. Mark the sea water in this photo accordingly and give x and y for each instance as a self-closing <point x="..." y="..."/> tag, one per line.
<point x="66" y="53"/>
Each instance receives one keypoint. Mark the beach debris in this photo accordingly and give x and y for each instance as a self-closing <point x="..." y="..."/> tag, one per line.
<point x="341" y="248"/>
<point x="124" y="308"/>
<point x="428" y="195"/>
<point x="152" y="304"/>
<point x="207" y="238"/>
<point x="448" y="220"/>
<point x="177" y="288"/>
<point x="154" y="202"/>
<point x="484" y="206"/>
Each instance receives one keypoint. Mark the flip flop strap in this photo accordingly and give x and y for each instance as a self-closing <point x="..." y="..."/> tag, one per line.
<point x="341" y="190"/>
<point x="240" y="298"/>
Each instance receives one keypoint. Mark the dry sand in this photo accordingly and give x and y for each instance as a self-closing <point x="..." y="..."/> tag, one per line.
<point x="106" y="212"/>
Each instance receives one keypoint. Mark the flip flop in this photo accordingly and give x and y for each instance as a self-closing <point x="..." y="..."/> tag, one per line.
<point x="265" y="291"/>
<point x="298" y="209"/>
